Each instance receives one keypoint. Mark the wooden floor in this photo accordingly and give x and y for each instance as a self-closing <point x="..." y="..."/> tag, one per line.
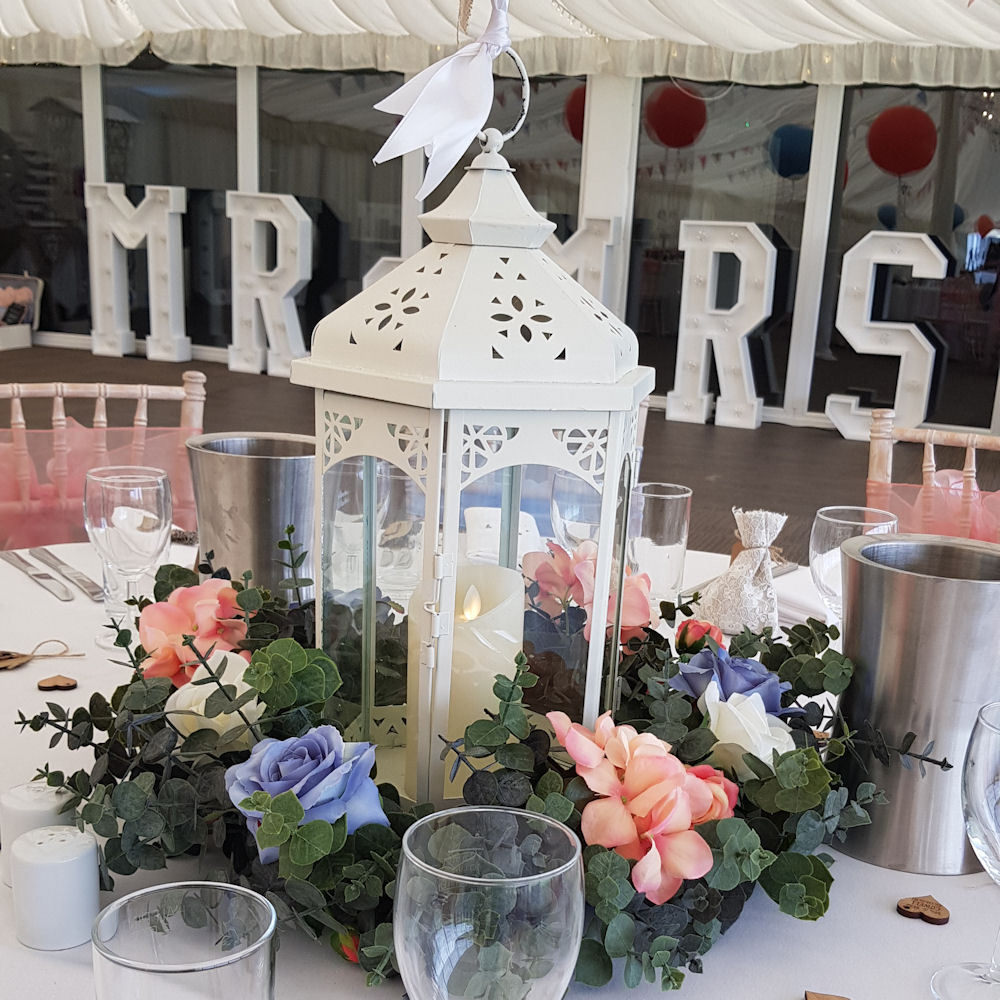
<point x="790" y="469"/>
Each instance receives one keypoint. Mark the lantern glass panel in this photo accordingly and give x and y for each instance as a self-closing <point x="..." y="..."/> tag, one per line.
<point x="629" y="609"/>
<point x="372" y="545"/>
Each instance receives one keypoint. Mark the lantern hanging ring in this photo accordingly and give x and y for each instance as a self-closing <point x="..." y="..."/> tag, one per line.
<point x="525" y="97"/>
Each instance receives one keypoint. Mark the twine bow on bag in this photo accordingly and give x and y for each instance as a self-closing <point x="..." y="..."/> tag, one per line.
<point x="744" y="594"/>
<point x="445" y="106"/>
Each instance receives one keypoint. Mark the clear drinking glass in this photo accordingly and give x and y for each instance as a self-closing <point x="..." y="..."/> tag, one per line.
<point x="186" y="939"/>
<point x="483" y="892"/>
<point x="658" y="518"/>
<point x="575" y="510"/>
<point x="831" y="527"/>
<point x="981" y="806"/>
<point x="127" y="511"/>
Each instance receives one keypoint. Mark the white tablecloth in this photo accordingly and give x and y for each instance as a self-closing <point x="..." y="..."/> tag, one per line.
<point x="862" y="949"/>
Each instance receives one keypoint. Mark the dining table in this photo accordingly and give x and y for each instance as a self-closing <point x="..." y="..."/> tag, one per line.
<point x="862" y="949"/>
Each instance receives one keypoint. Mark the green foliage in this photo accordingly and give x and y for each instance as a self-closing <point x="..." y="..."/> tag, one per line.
<point x="151" y="795"/>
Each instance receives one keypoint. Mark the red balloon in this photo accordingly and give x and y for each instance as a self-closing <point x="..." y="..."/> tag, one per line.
<point x="573" y="112"/>
<point x="983" y="225"/>
<point x="902" y="140"/>
<point x="675" y="117"/>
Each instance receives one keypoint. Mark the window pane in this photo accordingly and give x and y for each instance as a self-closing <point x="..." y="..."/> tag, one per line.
<point x="718" y="152"/>
<point x="44" y="230"/>
<point x="938" y="154"/>
<point x="169" y="124"/>
<point x="318" y="134"/>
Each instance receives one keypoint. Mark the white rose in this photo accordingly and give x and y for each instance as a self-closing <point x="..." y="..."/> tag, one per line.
<point x="186" y="706"/>
<point x="742" y="726"/>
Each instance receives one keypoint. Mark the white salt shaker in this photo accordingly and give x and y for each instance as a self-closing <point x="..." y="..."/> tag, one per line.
<point x="55" y="881"/>
<point x="27" y="807"/>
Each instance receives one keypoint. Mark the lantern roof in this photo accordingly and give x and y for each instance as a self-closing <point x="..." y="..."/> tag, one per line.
<point x="481" y="317"/>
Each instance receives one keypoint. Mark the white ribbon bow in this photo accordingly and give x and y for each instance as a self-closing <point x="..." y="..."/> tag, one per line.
<point x="445" y="106"/>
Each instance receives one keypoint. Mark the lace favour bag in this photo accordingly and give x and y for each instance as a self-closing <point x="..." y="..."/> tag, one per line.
<point x="744" y="594"/>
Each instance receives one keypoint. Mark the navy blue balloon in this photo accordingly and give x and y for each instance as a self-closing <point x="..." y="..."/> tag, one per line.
<point x="789" y="150"/>
<point x="957" y="216"/>
<point x="886" y="214"/>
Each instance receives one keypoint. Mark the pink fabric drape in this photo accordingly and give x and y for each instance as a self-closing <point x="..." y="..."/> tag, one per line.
<point x="40" y="507"/>
<point x="940" y="509"/>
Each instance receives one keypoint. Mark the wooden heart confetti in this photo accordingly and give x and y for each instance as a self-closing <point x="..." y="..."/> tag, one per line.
<point x="57" y="682"/>
<point x="822" y="996"/>
<point x="9" y="659"/>
<point x="925" y="908"/>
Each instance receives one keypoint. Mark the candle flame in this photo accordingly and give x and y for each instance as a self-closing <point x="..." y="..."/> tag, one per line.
<point x="473" y="604"/>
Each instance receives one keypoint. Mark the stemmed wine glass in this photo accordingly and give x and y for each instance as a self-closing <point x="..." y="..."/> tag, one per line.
<point x="575" y="510"/>
<point x="832" y="526"/>
<point x="981" y="806"/>
<point x="483" y="892"/>
<point x="127" y="511"/>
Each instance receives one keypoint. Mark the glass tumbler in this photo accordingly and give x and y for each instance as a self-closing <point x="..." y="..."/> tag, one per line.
<point x="185" y="940"/>
<point x="488" y="897"/>
<point x="659" y="515"/>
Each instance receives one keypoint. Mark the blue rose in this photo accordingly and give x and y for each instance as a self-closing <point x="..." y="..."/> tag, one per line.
<point x="734" y="675"/>
<point x="329" y="777"/>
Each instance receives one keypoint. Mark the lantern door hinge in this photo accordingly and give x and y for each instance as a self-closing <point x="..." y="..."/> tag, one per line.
<point x="444" y="565"/>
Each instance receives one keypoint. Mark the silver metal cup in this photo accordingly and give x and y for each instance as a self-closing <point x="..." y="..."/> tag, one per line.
<point x="922" y="626"/>
<point x="248" y="488"/>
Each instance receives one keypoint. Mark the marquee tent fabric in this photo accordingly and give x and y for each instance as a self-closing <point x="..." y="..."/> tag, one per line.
<point x="926" y="42"/>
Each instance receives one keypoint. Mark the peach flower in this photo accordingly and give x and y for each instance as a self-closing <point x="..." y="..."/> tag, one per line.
<point x="208" y="612"/>
<point x="635" y="600"/>
<point x="648" y="802"/>
<point x="555" y="574"/>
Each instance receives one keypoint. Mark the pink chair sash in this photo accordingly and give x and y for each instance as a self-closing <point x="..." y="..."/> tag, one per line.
<point x="940" y="509"/>
<point x="45" y="507"/>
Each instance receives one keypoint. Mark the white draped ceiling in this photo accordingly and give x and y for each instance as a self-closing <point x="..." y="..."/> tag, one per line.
<point x="927" y="42"/>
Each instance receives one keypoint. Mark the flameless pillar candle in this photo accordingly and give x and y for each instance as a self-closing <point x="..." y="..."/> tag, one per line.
<point x="55" y="882"/>
<point x="488" y="634"/>
<point x="27" y="807"/>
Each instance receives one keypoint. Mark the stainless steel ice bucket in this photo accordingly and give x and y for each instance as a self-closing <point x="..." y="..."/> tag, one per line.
<point x="248" y="488"/>
<point x="922" y="626"/>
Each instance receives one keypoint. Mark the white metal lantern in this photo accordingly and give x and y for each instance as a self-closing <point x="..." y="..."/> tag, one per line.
<point x="449" y="394"/>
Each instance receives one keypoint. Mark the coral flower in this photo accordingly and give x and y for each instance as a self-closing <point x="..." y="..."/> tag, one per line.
<point x="648" y="802"/>
<point x="208" y="612"/>
<point x="635" y="614"/>
<point x="555" y="574"/>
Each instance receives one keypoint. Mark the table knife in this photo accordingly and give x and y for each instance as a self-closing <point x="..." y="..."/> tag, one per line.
<point x="92" y="589"/>
<point x="43" y="579"/>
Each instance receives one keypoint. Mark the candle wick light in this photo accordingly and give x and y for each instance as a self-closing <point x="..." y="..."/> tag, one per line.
<point x="472" y="606"/>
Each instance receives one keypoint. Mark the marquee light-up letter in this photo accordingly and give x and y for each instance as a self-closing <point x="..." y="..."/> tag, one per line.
<point x="115" y="226"/>
<point x="702" y="325"/>
<point x="266" y="328"/>
<point x="868" y="336"/>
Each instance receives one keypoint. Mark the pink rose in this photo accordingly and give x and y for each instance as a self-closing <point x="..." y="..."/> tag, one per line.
<point x="648" y="802"/>
<point x="692" y="633"/>
<point x="208" y="612"/>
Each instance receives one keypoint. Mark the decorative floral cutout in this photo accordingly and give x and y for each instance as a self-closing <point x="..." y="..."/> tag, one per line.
<point x="337" y="431"/>
<point x="588" y="447"/>
<point x="481" y="444"/>
<point x="412" y="441"/>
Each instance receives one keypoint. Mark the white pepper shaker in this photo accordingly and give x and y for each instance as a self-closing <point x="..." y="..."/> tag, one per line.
<point x="27" y="807"/>
<point x="55" y="877"/>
